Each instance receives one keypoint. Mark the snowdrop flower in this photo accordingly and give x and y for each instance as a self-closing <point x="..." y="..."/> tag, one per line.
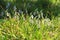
<point x="8" y="15"/>
<point x="8" y="5"/>
<point x="20" y="11"/>
<point x="41" y="13"/>
<point x="32" y="16"/>
<point x="47" y="21"/>
<point x="38" y="23"/>
<point x="16" y="16"/>
<point x="31" y="21"/>
<point x="14" y="8"/>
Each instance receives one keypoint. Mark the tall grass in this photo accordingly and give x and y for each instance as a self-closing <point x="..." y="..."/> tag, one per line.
<point x="29" y="29"/>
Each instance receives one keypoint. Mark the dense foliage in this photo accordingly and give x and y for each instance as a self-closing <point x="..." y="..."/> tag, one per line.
<point x="48" y="7"/>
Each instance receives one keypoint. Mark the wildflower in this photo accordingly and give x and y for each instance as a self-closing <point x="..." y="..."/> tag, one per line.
<point x="16" y="16"/>
<point x="47" y="21"/>
<point x="8" y="15"/>
<point x="38" y="24"/>
<point x="8" y="5"/>
<point x="32" y="16"/>
<point x="31" y="20"/>
<point x="20" y="11"/>
<point x="41" y="13"/>
<point x="14" y="8"/>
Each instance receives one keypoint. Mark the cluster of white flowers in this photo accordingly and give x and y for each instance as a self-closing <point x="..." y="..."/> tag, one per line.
<point x="47" y="21"/>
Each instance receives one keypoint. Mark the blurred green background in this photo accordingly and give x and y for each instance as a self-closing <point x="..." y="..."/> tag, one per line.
<point x="49" y="7"/>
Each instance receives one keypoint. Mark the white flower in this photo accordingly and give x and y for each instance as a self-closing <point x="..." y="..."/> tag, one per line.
<point x="14" y="8"/>
<point x="8" y="5"/>
<point x="41" y="13"/>
<point x="47" y="21"/>
<point x="31" y="20"/>
<point x="32" y="16"/>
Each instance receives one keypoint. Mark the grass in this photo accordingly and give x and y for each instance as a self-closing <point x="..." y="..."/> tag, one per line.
<point x="29" y="29"/>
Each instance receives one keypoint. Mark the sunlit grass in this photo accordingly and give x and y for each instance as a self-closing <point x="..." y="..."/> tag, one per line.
<point x="29" y="29"/>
